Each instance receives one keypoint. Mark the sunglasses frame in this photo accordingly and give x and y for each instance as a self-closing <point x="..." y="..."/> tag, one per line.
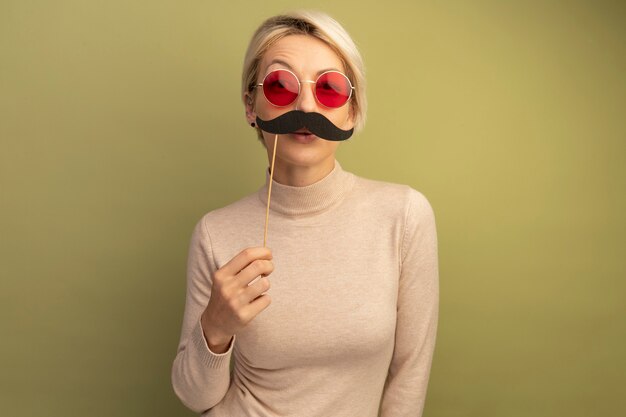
<point x="308" y="82"/>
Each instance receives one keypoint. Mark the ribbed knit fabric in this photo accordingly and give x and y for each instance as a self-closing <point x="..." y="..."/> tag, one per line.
<point x="353" y="318"/>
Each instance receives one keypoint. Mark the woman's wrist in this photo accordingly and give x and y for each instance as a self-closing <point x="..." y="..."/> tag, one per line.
<point x="217" y="343"/>
<point x="218" y="348"/>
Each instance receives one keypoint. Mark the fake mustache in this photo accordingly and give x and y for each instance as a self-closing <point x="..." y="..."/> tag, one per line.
<point x="316" y="123"/>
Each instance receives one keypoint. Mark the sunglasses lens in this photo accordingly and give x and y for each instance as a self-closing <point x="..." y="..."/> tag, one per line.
<point x="280" y="87"/>
<point x="333" y="89"/>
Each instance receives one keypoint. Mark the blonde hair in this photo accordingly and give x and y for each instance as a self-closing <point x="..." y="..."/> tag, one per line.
<point x="320" y="26"/>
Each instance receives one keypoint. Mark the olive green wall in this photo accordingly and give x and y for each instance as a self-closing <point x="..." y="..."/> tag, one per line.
<point x="120" y="125"/>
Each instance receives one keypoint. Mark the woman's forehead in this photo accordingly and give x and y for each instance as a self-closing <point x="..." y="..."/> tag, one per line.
<point x="304" y="55"/>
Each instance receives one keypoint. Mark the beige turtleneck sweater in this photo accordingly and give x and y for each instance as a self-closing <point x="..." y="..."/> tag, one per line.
<point x="353" y="318"/>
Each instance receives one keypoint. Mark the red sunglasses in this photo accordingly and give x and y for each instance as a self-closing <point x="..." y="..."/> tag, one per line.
<point x="281" y="88"/>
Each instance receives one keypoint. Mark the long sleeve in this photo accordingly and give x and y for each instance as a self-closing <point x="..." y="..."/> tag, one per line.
<point x="200" y="378"/>
<point x="417" y="313"/>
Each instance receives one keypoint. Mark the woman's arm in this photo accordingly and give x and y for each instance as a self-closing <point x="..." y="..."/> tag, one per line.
<point x="417" y="312"/>
<point x="200" y="377"/>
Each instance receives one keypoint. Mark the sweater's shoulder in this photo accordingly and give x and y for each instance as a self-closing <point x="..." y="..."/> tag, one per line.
<point x="235" y="213"/>
<point x="377" y="186"/>
<point x="396" y="194"/>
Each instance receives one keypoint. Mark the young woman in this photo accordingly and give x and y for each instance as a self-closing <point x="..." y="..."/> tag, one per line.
<point x="339" y="318"/>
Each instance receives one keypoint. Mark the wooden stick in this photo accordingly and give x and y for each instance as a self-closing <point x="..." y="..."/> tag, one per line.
<point x="269" y="191"/>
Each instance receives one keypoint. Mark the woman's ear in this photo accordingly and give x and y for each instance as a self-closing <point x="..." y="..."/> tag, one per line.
<point x="248" y="101"/>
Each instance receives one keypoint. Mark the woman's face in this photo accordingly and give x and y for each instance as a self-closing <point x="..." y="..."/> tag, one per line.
<point x="306" y="57"/>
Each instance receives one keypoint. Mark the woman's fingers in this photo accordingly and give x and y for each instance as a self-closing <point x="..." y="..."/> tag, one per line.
<point x="260" y="267"/>
<point x="255" y="290"/>
<point x="243" y="259"/>
<point x="259" y="304"/>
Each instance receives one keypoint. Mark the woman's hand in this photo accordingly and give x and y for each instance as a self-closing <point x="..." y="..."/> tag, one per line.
<point x="234" y="303"/>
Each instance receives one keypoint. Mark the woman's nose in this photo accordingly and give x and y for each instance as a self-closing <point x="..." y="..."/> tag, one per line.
<point x="306" y="100"/>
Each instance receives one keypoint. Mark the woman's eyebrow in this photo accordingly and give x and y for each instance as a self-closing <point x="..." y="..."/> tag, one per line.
<point x="279" y="61"/>
<point x="289" y="67"/>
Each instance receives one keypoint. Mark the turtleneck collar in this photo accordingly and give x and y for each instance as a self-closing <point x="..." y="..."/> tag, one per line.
<point x="310" y="199"/>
